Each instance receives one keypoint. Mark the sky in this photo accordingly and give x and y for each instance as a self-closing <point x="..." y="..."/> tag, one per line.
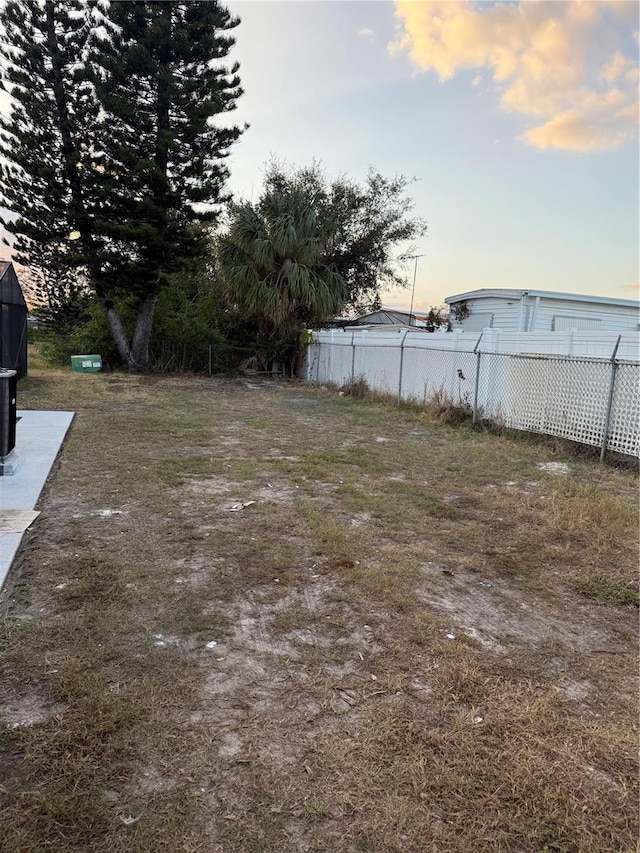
<point x="518" y="120"/>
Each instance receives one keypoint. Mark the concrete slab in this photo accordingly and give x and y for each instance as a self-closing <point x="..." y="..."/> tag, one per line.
<point x="39" y="436"/>
<point x="10" y="464"/>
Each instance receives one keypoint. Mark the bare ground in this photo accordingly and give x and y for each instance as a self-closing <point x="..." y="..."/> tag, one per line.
<point x="261" y="617"/>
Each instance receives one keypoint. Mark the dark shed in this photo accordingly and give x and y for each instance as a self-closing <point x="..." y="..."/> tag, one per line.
<point x="13" y="321"/>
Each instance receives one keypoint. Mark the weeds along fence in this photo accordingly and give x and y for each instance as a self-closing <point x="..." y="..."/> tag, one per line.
<point x="585" y="389"/>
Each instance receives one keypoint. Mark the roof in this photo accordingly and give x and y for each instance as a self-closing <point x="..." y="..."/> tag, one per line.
<point x="355" y="318"/>
<point x="390" y="313"/>
<point x="504" y="293"/>
<point x="10" y="290"/>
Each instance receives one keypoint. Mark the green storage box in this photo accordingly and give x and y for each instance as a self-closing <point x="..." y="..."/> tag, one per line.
<point x="86" y="363"/>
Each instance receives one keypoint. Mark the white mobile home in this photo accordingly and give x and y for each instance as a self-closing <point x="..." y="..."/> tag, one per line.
<point x="541" y="311"/>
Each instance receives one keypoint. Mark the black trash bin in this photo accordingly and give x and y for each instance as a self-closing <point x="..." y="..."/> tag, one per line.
<point x="8" y="392"/>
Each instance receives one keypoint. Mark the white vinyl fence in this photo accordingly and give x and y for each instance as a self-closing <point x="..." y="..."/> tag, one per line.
<point x="582" y="386"/>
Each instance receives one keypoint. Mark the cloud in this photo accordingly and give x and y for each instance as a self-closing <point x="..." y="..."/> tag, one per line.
<point x="366" y="33"/>
<point x="619" y="66"/>
<point x="562" y="64"/>
<point x="574" y="132"/>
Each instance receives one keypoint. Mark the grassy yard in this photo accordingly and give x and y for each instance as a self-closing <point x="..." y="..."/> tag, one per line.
<point x="413" y="637"/>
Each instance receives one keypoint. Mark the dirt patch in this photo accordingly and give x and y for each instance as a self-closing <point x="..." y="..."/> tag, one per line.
<point x="500" y="617"/>
<point x="278" y="493"/>
<point x="213" y="486"/>
<point x="27" y="709"/>
<point x="264" y="664"/>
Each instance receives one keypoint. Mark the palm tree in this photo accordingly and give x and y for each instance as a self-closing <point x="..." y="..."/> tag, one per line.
<point x="271" y="265"/>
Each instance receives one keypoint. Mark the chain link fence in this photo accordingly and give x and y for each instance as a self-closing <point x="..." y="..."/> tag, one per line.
<point x="169" y="357"/>
<point x="401" y="368"/>
<point x="589" y="400"/>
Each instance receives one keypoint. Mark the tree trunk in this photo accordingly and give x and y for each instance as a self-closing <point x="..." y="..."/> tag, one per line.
<point x="142" y="332"/>
<point x="118" y="333"/>
<point x="134" y="353"/>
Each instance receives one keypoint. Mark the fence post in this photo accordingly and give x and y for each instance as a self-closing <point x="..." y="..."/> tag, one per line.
<point x="612" y="383"/>
<point x="317" y="350"/>
<point x="353" y="358"/>
<point x="330" y="371"/>
<point x="475" y="393"/>
<point x="308" y="359"/>
<point x="401" y="366"/>
<point x="209" y="363"/>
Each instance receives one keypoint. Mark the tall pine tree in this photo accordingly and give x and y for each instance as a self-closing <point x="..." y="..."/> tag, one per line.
<point x="40" y="144"/>
<point x="138" y="162"/>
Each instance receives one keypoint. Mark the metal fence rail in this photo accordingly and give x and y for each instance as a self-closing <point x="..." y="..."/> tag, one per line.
<point x="590" y="400"/>
<point x="171" y="357"/>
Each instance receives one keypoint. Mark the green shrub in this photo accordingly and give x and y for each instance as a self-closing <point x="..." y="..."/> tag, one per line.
<point x="87" y="335"/>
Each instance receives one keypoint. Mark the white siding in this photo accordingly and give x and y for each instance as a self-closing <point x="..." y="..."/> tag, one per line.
<point x="479" y="320"/>
<point x="542" y="314"/>
<point x="504" y="314"/>
<point x="613" y="318"/>
<point x="566" y="322"/>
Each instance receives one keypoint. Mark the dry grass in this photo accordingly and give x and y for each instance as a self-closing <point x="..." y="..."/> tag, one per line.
<point x="415" y="638"/>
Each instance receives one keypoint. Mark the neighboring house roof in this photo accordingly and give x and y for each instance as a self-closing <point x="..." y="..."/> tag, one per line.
<point x="386" y="315"/>
<point x="505" y="293"/>
<point x="381" y="317"/>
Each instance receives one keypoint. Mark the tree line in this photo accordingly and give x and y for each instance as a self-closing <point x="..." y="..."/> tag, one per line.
<point x="113" y="172"/>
